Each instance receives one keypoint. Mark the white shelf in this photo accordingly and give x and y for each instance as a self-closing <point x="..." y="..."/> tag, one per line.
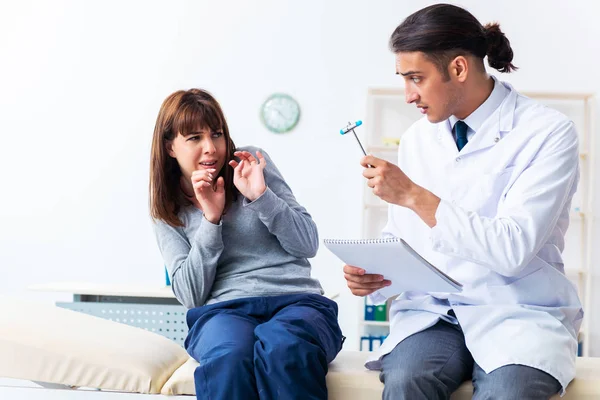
<point x="126" y="290"/>
<point x="572" y="272"/>
<point x="375" y="323"/>
<point x="375" y="206"/>
<point x="99" y="289"/>
<point x="382" y="148"/>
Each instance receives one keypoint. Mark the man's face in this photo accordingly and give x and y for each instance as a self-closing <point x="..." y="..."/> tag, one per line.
<point x="435" y="94"/>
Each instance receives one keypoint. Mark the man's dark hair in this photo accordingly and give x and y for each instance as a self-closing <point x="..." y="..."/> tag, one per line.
<point x="443" y="32"/>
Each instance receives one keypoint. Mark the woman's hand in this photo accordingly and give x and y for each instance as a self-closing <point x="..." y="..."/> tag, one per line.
<point x="210" y="196"/>
<point x="248" y="174"/>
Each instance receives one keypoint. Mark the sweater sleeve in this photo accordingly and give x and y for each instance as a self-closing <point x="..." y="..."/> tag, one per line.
<point x="278" y="209"/>
<point x="192" y="264"/>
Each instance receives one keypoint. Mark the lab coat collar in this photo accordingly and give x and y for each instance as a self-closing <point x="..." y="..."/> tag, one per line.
<point x="492" y="130"/>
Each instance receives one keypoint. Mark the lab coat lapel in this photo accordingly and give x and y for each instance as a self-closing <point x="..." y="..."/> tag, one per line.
<point x="445" y="137"/>
<point x="499" y="122"/>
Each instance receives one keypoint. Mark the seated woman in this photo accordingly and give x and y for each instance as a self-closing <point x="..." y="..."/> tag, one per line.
<point x="236" y="243"/>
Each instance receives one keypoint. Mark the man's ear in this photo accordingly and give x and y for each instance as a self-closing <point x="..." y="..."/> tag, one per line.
<point x="459" y="68"/>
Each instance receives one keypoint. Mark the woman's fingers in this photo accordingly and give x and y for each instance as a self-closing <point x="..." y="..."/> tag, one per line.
<point x="242" y="155"/>
<point x="246" y="155"/>
<point x="240" y="168"/>
<point x="202" y="179"/>
<point x="220" y="185"/>
<point x="203" y="175"/>
<point x="200" y="185"/>
<point x="261" y="158"/>
<point x="247" y="162"/>
<point x="251" y="158"/>
<point x="237" y="168"/>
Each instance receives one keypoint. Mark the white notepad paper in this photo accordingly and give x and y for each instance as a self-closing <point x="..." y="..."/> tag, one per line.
<point x="396" y="261"/>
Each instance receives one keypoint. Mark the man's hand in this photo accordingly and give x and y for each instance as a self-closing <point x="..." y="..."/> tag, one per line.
<point x="362" y="284"/>
<point x="389" y="182"/>
<point x="393" y="186"/>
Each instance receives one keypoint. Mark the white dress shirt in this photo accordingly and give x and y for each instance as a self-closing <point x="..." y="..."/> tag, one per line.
<point x="505" y="200"/>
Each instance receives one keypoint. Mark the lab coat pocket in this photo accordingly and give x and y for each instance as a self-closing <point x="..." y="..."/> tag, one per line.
<point x="487" y="192"/>
<point x="544" y="287"/>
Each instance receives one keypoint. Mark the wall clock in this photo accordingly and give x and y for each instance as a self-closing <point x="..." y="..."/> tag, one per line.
<point x="280" y="113"/>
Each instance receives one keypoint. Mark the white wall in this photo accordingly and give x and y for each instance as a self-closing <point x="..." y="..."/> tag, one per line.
<point x="81" y="84"/>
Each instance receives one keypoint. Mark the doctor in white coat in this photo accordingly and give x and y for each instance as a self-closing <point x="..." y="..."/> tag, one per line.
<point x="482" y="190"/>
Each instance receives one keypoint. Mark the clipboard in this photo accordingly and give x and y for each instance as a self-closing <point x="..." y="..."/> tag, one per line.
<point x="396" y="261"/>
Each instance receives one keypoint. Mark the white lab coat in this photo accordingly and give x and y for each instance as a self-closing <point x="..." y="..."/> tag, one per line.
<point x="505" y="201"/>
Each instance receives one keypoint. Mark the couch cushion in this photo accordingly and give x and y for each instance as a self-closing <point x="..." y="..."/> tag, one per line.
<point x="45" y="343"/>
<point x="349" y="380"/>
<point x="182" y="380"/>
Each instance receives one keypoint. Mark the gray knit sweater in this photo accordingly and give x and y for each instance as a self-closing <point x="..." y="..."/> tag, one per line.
<point x="260" y="248"/>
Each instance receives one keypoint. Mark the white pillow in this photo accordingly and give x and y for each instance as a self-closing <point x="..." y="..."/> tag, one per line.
<point x="45" y="343"/>
<point x="182" y="380"/>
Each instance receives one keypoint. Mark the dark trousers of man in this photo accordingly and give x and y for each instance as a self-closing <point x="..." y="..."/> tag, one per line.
<point x="264" y="347"/>
<point x="433" y="363"/>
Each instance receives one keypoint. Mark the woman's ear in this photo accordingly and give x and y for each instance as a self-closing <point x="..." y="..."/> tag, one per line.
<point x="169" y="148"/>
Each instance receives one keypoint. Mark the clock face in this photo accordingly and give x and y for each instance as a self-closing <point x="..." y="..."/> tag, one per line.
<point x="280" y="113"/>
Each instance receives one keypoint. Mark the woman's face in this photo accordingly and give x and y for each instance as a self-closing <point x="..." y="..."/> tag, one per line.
<point x="199" y="149"/>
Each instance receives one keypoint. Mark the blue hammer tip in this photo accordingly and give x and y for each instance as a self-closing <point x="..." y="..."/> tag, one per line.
<point x="358" y="123"/>
<point x="341" y="131"/>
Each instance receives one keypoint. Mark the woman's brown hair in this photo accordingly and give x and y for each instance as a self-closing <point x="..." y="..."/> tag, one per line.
<point x="183" y="112"/>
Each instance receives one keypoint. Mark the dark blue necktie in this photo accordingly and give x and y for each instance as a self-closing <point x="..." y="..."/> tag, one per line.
<point x="460" y="129"/>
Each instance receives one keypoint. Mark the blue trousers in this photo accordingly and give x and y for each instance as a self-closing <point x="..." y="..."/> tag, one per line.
<point x="433" y="363"/>
<point x="264" y="347"/>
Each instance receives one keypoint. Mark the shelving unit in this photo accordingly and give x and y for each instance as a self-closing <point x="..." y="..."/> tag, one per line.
<point x="388" y="117"/>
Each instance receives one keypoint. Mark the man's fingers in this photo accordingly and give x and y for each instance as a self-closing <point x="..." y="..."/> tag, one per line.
<point x="362" y="292"/>
<point x="370" y="173"/>
<point x="367" y="278"/>
<point x="351" y="269"/>
<point x="367" y="285"/>
<point x="372" y="161"/>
